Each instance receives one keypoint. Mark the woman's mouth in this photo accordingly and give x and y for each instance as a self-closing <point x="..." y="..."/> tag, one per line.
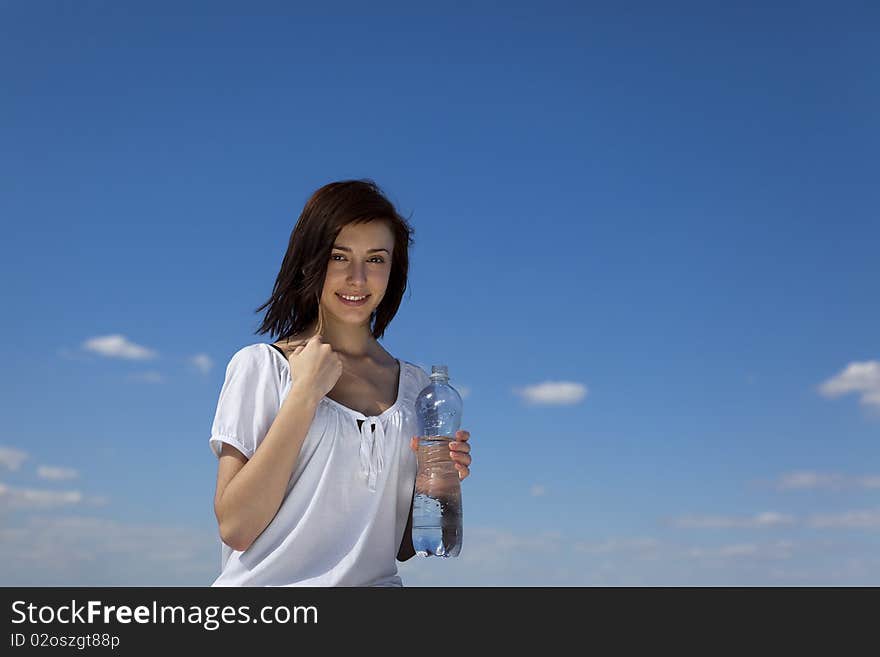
<point x="354" y="299"/>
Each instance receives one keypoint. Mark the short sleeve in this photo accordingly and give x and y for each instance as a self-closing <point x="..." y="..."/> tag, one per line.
<point x="249" y="401"/>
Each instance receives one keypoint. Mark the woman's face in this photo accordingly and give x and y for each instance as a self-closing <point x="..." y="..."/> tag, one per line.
<point x="360" y="265"/>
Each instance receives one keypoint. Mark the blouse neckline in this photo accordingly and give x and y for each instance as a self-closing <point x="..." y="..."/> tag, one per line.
<point x="352" y="411"/>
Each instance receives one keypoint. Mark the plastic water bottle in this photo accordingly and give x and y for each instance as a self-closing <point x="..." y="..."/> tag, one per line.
<point x="437" y="527"/>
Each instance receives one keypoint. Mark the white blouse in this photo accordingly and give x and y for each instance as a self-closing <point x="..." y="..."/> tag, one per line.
<point x="348" y="500"/>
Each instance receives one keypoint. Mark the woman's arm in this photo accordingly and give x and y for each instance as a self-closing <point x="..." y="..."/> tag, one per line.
<point x="250" y="492"/>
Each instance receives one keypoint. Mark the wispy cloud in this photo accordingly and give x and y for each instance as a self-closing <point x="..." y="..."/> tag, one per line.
<point x="807" y="480"/>
<point x="782" y="549"/>
<point x="860" y="519"/>
<point x="202" y="362"/>
<point x="497" y="557"/>
<point x="862" y="378"/>
<point x="118" y="346"/>
<point x="643" y="547"/>
<point x="553" y="392"/>
<point x="495" y="539"/>
<point x="83" y="551"/>
<point x="55" y="473"/>
<point x="763" y="520"/>
<point x="35" y="498"/>
<point x="857" y="519"/>
<point x="147" y="377"/>
<point x="12" y="458"/>
<point x="493" y="556"/>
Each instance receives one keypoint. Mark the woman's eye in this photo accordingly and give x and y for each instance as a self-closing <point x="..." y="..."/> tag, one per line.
<point x="377" y="259"/>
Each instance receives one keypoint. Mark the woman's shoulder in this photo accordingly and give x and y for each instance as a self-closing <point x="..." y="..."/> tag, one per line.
<point x="254" y="350"/>
<point x="255" y="356"/>
<point x="416" y="371"/>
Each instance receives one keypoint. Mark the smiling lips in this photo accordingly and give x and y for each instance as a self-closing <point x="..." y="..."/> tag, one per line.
<point x="353" y="300"/>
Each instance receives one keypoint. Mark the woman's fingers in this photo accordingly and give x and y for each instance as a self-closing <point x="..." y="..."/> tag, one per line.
<point x="460" y="458"/>
<point x="458" y="453"/>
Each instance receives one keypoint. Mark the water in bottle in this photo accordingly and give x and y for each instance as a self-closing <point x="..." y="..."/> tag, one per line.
<point x="437" y="525"/>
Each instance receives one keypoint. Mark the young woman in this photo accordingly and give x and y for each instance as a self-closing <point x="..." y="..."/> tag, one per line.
<point x="316" y="433"/>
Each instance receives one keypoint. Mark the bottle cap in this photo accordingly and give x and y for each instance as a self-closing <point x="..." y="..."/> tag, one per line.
<point x="439" y="371"/>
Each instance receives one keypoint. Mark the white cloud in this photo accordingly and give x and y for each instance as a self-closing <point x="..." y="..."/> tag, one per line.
<point x="860" y="519"/>
<point x="118" y="346"/>
<point x="782" y="549"/>
<point x="498" y="557"/>
<point x="491" y="540"/>
<point x="644" y="547"/>
<point x="84" y="551"/>
<point x="806" y="480"/>
<point x="872" y="481"/>
<point x="553" y="392"/>
<point x="495" y="557"/>
<point x="537" y="490"/>
<point x="758" y="521"/>
<point x="203" y="362"/>
<point x="147" y="377"/>
<point x="12" y="458"/>
<point x="34" y="498"/>
<point x="56" y="473"/>
<point x="861" y="377"/>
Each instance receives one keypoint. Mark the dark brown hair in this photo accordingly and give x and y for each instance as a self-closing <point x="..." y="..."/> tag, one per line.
<point x="293" y="305"/>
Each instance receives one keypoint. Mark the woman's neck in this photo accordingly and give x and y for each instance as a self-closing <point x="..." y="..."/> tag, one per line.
<point x="353" y="342"/>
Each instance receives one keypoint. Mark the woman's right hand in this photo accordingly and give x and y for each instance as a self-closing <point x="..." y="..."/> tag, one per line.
<point x="315" y="365"/>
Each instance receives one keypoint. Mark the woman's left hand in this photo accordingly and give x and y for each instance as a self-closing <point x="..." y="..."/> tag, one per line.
<point x="459" y="451"/>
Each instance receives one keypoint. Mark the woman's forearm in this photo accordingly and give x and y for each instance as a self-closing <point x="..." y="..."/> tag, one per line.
<point x="253" y="496"/>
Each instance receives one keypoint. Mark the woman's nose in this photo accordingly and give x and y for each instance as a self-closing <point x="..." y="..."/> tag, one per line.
<point x="357" y="273"/>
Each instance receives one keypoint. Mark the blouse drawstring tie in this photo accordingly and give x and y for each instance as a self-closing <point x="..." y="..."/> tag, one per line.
<point x="372" y="445"/>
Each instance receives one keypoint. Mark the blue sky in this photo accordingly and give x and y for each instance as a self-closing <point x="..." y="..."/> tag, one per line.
<point x="645" y="245"/>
